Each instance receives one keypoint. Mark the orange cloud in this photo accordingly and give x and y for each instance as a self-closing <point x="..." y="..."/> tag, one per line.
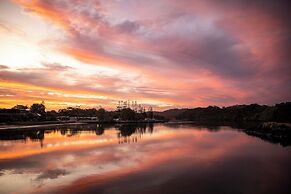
<point x="191" y="54"/>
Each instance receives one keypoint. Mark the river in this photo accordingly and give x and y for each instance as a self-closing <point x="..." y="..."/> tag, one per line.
<point x="142" y="159"/>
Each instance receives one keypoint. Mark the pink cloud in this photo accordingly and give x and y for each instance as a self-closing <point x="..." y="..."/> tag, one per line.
<point x="210" y="52"/>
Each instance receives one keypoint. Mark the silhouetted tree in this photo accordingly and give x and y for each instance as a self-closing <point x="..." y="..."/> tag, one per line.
<point x="127" y="114"/>
<point x="20" y="107"/>
<point x="37" y="108"/>
<point x="150" y="114"/>
<point x="51" y="115"/>
<point x="101" y="114"/>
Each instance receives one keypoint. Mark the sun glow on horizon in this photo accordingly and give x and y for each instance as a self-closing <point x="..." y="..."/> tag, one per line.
<point x="97" y="53"/>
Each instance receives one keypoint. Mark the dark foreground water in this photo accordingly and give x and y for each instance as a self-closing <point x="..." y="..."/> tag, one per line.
<point x="130" y="159"/>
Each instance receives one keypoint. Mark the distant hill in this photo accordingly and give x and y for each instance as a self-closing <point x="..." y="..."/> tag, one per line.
<point x="171" y="114"/>
<point x="252" y="112"/>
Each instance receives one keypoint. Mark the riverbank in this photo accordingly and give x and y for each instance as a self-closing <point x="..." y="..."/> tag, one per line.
<point x="32" y="126"/>
<point x="273" y="132"/>
<point x="247" y="126"/>
<point x="45" y="124"/>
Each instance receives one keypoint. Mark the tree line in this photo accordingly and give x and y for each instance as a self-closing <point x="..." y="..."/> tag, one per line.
<point x="253" y="112"/>
<point x="37" y="112"/>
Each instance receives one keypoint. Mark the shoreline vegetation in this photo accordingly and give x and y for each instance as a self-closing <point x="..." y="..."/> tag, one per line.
<point x="280" y="113"/>
<point x="267" y="122"/>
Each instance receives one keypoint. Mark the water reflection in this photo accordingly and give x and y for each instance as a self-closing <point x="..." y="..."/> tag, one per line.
<point x="131" y="133"/>
<point x="135" y="131"/>
<point x="141" y="159"/>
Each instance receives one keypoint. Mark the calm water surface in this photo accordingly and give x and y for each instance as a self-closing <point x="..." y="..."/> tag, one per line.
<point x="142" y="159"/>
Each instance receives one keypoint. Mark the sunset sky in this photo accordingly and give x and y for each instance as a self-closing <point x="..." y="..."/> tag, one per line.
<point x="164" y="53"/>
